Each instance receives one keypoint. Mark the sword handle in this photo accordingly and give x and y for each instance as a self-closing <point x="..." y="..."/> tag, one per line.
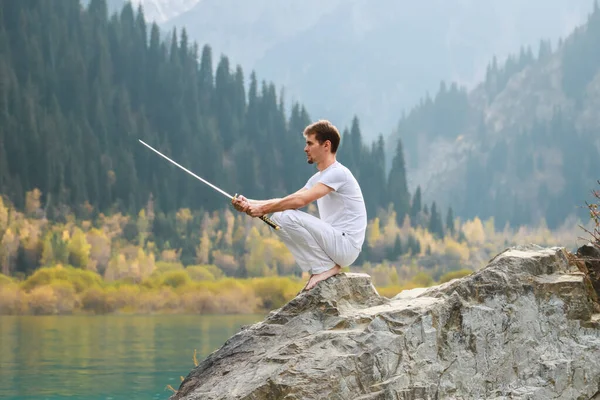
<point x="266" y="220"/>
<point x="270" y="222"/>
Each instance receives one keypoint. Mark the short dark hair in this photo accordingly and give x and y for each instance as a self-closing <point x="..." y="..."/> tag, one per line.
<point x="323" y="131"/>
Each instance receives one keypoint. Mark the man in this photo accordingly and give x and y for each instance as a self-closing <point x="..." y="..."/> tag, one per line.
<point x="319" y="245"/>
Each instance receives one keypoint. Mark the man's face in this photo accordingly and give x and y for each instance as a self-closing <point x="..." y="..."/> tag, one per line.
<point x="313" y="149"/>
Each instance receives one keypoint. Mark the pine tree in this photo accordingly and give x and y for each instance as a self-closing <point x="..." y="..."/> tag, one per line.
<point x="223" y="103"/>
<point x="397" y="187"/>
<point x="415" y="207"/>
<point x="206" y="80"/>
<point x="450" y="222"/>
<point x="373" y="182"/>
<point x="356" y="147"/>
<point x="435" y="222"/>
<point x="380" y="195"/>
<point x="344" y="153"/>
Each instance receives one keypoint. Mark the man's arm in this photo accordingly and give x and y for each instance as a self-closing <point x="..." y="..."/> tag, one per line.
<point x="294" y="201"/>
<point x="242" y="203"/>
<point x="261" y="202"/>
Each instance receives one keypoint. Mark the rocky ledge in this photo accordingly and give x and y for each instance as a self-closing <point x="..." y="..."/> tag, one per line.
<point x="527" y="326"/>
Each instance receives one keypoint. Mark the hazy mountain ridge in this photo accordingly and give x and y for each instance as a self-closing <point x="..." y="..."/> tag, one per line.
<point x="162" y="11"/>
<point x="535" y="143"/>
<point x="346" y="58"/>
<point x="245" y="30"/>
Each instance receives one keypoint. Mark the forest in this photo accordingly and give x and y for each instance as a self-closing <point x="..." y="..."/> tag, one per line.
<point x="111" y="263"/>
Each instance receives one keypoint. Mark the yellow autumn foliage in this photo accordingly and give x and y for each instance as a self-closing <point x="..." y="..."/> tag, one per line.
<point x="474" y="231"/>
<point x="229" y="264"/>
<point x="79" y="279"/>
<point x="13" y="301"/>
<point x="201" y="272"/>
<point x="373" y="232"/>
<point x="456" y="250"/>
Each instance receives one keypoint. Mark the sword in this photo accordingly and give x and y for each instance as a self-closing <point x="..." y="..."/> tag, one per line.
<point x="266" y="219"/>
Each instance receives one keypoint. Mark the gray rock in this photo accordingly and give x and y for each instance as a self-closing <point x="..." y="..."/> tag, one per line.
<point x="588" y="262"/>
<point x="524" y="327"/>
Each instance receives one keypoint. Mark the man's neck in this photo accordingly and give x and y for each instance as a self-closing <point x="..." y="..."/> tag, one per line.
<point x="323" y="165"/>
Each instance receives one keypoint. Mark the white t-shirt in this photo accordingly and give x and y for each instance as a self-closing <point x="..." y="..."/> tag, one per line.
<point x="344" y="207"/>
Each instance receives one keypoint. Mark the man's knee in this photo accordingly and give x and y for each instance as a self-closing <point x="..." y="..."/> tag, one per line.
<point x="286" y="218"/>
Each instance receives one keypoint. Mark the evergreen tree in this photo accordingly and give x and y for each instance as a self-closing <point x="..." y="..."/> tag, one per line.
<point x="580" y="60"/>
<point x="206" y="80"/>
<point x="416" y="207"/>
<point x="224" y="91"/>
<point x="397" y="250"/>
<point x="397" y="187"/>
<point x="344" y="153"/>
<point x="372" y="181"/>
<point x="450" y="221"/>
<point x="435" y="222"/>
<point x="545" y="50"/>
<point x="413" y="245"/>
<point x="356" y="144"/>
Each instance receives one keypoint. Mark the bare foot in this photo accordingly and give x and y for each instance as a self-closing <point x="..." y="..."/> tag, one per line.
<point x="316" y="278"/>
<point x="307" y="282"/>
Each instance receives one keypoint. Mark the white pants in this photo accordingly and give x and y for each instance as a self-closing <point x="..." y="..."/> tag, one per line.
<point x="316" y="246"/>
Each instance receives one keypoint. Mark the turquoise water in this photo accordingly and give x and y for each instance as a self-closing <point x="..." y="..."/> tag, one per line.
<point x="105" y="357"/>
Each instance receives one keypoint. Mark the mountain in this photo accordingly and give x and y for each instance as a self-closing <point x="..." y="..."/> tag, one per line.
<point x="161" y="11"/>
<point x="245" y="30"/>
<point x="523" y="145"/>
<point x="356" y="57"/>
<point x="158" y="11"/>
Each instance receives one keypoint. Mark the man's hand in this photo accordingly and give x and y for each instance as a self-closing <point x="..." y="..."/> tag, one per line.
<point x="255" y="210"/>
<point x="240" y="203"/>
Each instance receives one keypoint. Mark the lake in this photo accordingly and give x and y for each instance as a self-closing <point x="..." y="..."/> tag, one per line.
<point x="105" y="357"/>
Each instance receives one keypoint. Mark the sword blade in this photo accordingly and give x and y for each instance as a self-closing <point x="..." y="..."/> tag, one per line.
<point x="187" y="170"/>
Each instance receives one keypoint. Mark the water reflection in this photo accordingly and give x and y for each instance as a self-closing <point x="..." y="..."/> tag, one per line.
<point x="105" y="357"/>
